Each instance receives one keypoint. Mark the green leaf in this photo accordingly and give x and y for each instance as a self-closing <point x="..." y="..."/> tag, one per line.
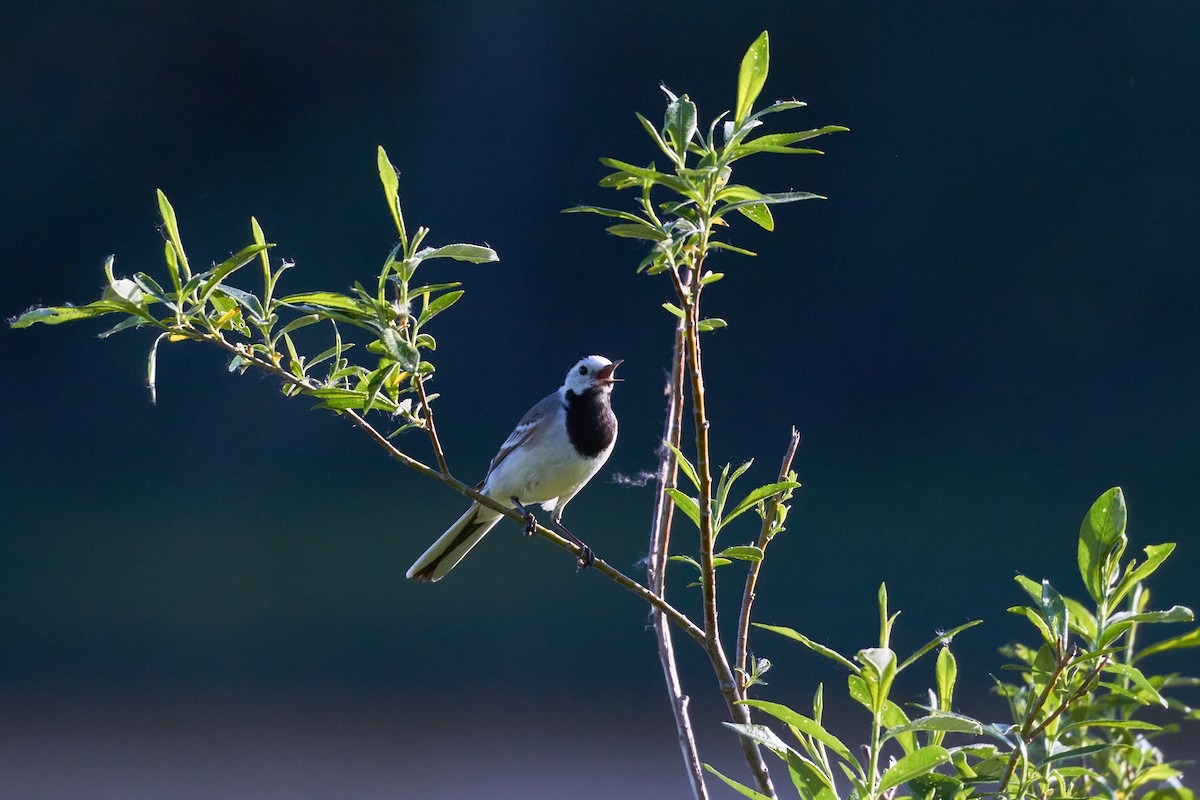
<point x="774" y="198"/>
<point x="780" y="105"/>
<point x="1054" y="612"/>
<point x="809" y="780"/>
<point x="879" y="670"/>
<point x="741" y="251"/>
<point x="761" y="734"/>
<point x="808" y="727"/>
<point x="737" y="191"/>
<point x="651" y="175"/>
<point x="746" y="791"/>
<point x="946" y="675"/>
<point x="946" y="723"/>
<point x="1119" y="623"/>
<point x="399" y="350"/>
<point x="1156" y="554"/>
<point x="474" y="253"/>
<point x="152" y="369"/>
<point x="1190" y="639"/>
<point x="674" y="309"/>
<point x="377" y="381"/>
<point x="638" y="231"/>
<point x="1075" y="752"/>
<point x="685" y="560"/>
<point x="334" y="300"/>
<point x="606" y="212"/>
<point x="391" y="190"/>
<point x="1033" y="616"/>
<point x="942" y="638"/>
<point x="686" y="504"/>
<point x="439" y="304"/>
<point x="785" y="139"/>
<point x="923" y="761"/>
<point x="935" y="786"/>
<point x="816" y="647"/>
<point x="751" y="76"/>
<point x="169" y="222"/>
<point x="56" y="315"/>
<point x="742" y="553"/>
<point x="680" y="125"/>
<point x="757" y="213"/>
<point x="229" y="266"/>
<point x="1100" y="534"/>
<point x="684" y="464"/>
<point x="1170" y="793"/>
<point x="756" y="496"/>
<point x="1124" y="724"/>
<point x="710" y="324"/>
<point x="656" y="136"/>
<point x="1135" y="675"/>
<point x="341" y="399"/>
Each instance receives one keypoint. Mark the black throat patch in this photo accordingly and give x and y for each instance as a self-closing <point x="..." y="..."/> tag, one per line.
<point x="591" y="424"/>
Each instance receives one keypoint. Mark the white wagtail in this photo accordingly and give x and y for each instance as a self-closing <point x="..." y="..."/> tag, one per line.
<point x="556" y="448"/>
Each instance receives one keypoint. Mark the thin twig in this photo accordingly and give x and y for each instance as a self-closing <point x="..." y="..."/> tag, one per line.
<point x="1029" y="733"/>
<point x="656" y="566"/>
<point x="764" y="538"/>
<point x="438" y="453"/>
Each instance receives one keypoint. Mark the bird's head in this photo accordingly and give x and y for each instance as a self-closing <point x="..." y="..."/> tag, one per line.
<point x="591" y="372"/>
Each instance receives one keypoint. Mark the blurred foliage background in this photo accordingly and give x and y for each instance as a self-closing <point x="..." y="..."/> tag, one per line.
<point x="992" y="320"/>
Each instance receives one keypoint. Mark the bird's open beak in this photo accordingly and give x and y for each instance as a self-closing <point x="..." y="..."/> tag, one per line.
<point x="605" y="375"/>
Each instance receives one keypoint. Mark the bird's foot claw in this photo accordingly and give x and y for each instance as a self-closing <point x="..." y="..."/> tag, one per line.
<point x="530" y="520"/>
<point x="586" y="558"/>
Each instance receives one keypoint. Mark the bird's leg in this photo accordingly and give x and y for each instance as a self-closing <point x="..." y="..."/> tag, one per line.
<point x="586" y="557"/>
<point x="530" y="520"/>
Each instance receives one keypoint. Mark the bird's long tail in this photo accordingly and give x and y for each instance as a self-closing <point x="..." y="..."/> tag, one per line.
<point x="444" y="554"/>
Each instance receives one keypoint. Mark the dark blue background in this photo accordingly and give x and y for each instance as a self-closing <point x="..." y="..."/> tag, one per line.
<point x="992" y="320"/>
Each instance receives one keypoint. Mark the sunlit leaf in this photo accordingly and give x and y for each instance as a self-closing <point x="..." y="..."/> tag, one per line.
<point x="473" y="253"/>
<point x="745" y="791"/>
<point x="912" y="765"/>
<point x="1102" y="529"/>
<point x="805" y="725"/>
<point x="751" y="76"/>
<point x="816" y="647"/>
<point x="391" y="189"/>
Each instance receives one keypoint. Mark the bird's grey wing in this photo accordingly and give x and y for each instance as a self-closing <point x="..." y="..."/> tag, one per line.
<point x="526" y="428"/>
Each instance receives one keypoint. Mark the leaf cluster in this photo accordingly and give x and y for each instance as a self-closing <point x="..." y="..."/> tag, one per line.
<point x="697" y="183"/>
<point x="260" y="330"/>
<point x="1076" y="729"/>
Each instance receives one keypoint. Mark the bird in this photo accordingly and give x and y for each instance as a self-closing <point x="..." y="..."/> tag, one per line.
<point x="557" y="447"/>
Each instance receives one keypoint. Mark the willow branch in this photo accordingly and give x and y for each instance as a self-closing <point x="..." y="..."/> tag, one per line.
<point x="764" y="538"/>
<point x="689" y="300"/>
<point x="656" y="566"/>
<point x="434" y="441"/>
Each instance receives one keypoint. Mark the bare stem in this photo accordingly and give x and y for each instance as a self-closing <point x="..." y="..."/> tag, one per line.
<point x="432" y="428"/>
<point x="689" y="300"/>
<point x="656" y="566"/>
<point x="764" y="538"/>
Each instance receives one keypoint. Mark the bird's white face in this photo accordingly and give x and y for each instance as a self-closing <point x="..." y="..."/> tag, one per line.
<point x="591" y="372"/>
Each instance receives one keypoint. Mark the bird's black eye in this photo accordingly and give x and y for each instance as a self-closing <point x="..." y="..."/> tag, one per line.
<point x="582" y="369"/>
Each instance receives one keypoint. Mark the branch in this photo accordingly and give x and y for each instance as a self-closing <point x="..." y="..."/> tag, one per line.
<point x="764" y="538"/>
<point x="689" y="299"/>
<point x="431" y="428"/>
<point x="656" y="566"/>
